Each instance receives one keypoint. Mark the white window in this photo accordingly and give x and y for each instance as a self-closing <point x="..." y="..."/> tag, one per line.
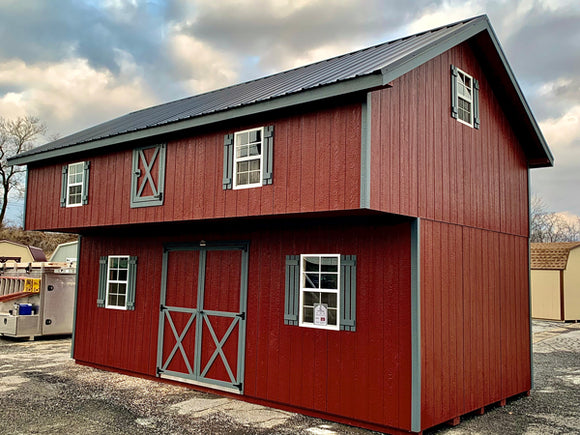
<point x="248" y="145"/>
<point x="75" y="181"/>
<point x="464" y="98"/>
<point x="319" y="291"/>
<point x="117" y="281"/>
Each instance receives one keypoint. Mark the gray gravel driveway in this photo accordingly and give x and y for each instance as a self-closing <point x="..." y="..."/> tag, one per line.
<point x="42" y="391"/>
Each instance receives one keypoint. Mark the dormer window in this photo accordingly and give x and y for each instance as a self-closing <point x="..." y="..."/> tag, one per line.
<point x="464" y="97"/>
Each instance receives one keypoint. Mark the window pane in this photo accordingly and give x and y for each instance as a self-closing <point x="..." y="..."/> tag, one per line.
<point x="329" y="264"/>
<point x="113" y="262"/>
<point x="254" y="165"/>
<point x="311" y="264"/>
<point x="242" y="151"/>
<point x="242" y="167"/>
<point x="329" y="281"/>
<point x="121" y="301"/>
<point x="123" y="262"/>
<point x="254" y="177"/>
<point x="311" y="280"/>
<point x="122" y="275"/>
<point x="112" y="299"/>
<point x="332" y="317"/>
<point x="329" y="299"/>
<point x="308" y="314"/>
<point x="113" y="275"/>
<point x="242" y="138"/>
<point x="255" y="150"/>
<point x="242" y="179"/>
<point x="311" y="298"/>
<point x="122" y="289"/>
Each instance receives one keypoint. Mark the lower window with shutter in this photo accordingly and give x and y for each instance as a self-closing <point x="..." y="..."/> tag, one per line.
<point x="321" y="291"/>
<point x="117" y="279"/>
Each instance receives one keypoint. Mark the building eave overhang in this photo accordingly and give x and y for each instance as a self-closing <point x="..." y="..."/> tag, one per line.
<point x="358" y="84"/>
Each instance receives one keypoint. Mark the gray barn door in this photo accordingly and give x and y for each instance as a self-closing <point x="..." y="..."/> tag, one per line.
<point x="202" y="319"/>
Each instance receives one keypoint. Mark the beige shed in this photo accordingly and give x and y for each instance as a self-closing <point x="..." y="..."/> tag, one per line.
<point x="555" y="280"/>
<point x="19" y="253"/>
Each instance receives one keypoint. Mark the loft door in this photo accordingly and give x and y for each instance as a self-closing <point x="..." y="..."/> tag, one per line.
<point x="202" y="319"/>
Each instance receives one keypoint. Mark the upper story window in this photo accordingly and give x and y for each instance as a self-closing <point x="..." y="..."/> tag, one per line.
<point x="248" y="158"/>
<point x="117" y="282"/>
<point x="464" y="98"/>
<point x="75" y="184"/>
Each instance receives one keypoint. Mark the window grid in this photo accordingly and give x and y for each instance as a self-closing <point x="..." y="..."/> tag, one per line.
<point x="75" y="179"/>
<point x="117" y="281"/>
<point x="319" y="284"/>
<point x="248" y="152"/>
<point x="464" y="98"/>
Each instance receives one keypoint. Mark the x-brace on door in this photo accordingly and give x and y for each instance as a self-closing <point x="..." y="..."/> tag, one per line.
<point x="202" y="322"/>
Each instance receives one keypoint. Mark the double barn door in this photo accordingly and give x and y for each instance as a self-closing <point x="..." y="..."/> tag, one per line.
<point x="202" y="319"/>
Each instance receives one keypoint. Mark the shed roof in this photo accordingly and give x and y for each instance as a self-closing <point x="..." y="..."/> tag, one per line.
<point x="359" y="71"/>
<point x="36" y="253"/>
<point x="550" y="256"/>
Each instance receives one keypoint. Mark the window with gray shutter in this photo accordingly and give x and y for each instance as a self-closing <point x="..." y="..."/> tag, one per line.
<point x="248" y="158"/>
<point x="117" y="282"/>
<point x="320" y="291"/>
<point x="74" y="190"/>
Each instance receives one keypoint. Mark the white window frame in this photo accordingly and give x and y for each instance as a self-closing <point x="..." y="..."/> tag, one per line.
<point x="116" y="281"/>
<point x="303" y="289"/>
<point x="80" y="165"/>
<point x="461" y="97"/>
<point x="248" y="158"/>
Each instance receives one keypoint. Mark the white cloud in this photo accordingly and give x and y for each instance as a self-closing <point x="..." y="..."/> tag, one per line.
<point x="71" y="95"/>
<point x="563" y="131"/>
<point x="201" y="67"/>
<point x="443" y="14"/>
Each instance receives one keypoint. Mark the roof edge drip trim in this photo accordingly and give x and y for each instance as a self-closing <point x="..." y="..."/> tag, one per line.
<point x="362" y="83"/>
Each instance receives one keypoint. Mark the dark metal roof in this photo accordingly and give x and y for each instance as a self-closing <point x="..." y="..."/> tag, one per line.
<point x="357" y="71"/>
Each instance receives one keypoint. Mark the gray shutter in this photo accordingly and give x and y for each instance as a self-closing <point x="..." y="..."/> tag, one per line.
<point x="103" y="263"/>
<point x="475" y="103"/>
<point x="132" y="280"/>
<point x="63" y="186"/>
<point x="348" y="292"/>
<point x="292" y="295"/>
<point x="228" y="161"/>
<point x="268" y="157"/>
<point x="86" y="167"/>
<point x="453" y="91"/>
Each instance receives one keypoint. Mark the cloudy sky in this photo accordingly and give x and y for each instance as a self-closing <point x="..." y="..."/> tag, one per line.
<point x="76" y="63"/>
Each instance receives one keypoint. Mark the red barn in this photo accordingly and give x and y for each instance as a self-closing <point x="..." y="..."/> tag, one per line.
<point x="348" y="239"/>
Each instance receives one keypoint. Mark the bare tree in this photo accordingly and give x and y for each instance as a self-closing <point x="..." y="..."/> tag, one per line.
<point x="16" y="136"/>
<point x="547" y="226"/>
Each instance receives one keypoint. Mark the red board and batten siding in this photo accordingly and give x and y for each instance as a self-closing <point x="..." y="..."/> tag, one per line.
<point x="475" y="341"/>
<point x="363" y="377"/>
<point x="470" y="188"/>
<point x="427" y="164"/>
<point x="316" y="168"/>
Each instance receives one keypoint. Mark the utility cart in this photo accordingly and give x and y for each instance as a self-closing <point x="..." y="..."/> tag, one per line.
<point x="36" y="298"/>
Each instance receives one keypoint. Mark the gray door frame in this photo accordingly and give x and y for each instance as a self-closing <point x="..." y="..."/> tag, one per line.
<point x="197" y="374"/>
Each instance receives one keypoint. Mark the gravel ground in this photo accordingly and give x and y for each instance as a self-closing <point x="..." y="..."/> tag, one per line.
<point x="42" y="391"/>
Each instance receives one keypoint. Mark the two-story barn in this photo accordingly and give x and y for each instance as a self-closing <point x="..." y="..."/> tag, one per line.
<point x="347" y="239"/>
